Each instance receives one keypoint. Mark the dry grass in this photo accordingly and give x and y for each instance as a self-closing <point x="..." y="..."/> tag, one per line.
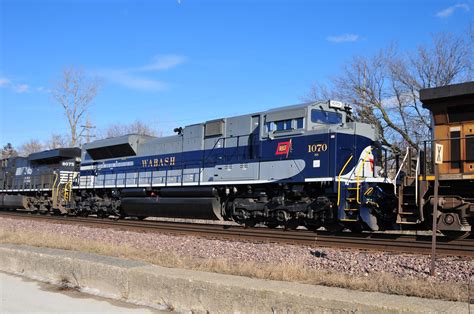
<point x="383" y="282"/>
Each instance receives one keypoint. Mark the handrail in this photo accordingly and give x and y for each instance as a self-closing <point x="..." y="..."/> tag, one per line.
<point x="53" y="188"/>
<point x="357" y="175"/>
<point x="339" y="180"/>
<point x="400" y="169"/>
<point x="417" y="170"/>
<point x="429" y="158"/>
<point x="67" y="190"/>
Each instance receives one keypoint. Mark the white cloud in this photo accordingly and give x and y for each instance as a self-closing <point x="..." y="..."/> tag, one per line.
<point x="130" y="78"/>
<point x="4" y="81"/>
<point x="135" y="82"/>
<point x="450" y="10"/>
<point x="21" y="88"/>
<point x="344" y="38"/>
<point x="42" y="89"/>
<point x="161" y="63"/>
<point x="17" y="88"/>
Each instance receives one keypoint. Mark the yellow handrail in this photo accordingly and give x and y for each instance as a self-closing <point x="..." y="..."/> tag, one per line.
<point x="53" y="192"/>
<point x="358" y="172"/>
<point x="67" y="191"/>
<point x="339" y="180"/>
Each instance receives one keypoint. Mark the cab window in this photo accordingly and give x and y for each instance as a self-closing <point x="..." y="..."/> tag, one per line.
<point x="325" y="117"/>
<point x="285" y="125"/>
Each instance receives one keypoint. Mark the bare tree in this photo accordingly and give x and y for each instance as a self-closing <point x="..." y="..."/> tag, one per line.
<point x="384" y="87"/>
<point x="75" y="92"/>
<point x="8" y="151"/>
<point x="57" y="141"/>
<point x="318" y="92"/>
<point x="30" y="147"/>
<point x="136" y="127"/>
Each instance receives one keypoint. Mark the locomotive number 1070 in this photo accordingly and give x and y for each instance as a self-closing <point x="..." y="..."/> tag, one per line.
<point x="315" y="148"/>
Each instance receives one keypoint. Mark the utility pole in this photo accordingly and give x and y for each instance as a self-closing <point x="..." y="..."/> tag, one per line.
<point x="438" y="161"/>
<point x="87" y="128"/>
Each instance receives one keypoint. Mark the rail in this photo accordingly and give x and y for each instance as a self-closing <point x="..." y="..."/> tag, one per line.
<point x="402" y="243"/>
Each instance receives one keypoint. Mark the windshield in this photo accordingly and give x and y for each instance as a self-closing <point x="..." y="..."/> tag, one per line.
<point x="325" y="117"/>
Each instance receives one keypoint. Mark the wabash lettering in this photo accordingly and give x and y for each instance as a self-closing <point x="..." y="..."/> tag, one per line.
<point x="159" y="162"/>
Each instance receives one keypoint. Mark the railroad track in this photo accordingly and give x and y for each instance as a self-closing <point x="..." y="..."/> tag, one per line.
<point x="367" y="241"/>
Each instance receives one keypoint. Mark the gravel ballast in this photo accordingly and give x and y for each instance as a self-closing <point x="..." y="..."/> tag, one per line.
<point x="346" y="261"/>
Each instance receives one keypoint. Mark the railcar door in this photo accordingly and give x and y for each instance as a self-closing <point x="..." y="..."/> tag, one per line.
<point x="468" y="142"/>
<point x="450" y="137"/>
<point x="455" y="148"/>
<point x="459" y="148"/>
<point x="254" y="138"/>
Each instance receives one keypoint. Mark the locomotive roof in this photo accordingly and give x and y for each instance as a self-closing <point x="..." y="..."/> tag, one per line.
<point x="438" y="96"/>
<point x="283" y="110"/>
<point x="120" y="146"/>
<point x="297" y="106"/>
<point x="58" y="153"/>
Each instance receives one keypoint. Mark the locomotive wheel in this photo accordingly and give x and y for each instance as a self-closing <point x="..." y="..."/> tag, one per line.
<point x="312" y="226"/>
<point x="272" y="225"/>
<point x="292" y="224"/>
<point x="250" y="223"/>
<point x="334" y="227"/>
<point x="456" y="235"/>
<point x="355" y="227"/>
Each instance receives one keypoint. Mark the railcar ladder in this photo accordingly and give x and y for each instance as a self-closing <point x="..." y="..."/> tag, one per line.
<point x="411" y="192"/>
<point x="349" y="212"/>
<point x="62" y="191"/>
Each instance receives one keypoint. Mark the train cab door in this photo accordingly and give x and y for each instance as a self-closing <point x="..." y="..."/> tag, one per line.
<point x="254" y="139"/>
<point x="455" y="149"/>
<point x="468" y="143"/>
<point x="332" y="150"/>
<point x="452" y="148"/>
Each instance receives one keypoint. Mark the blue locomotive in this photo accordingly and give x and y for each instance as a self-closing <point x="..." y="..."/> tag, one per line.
<point x="309" y="164"/>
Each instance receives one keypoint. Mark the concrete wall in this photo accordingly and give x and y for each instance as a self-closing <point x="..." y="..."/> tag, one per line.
<point x="196" y="291"/>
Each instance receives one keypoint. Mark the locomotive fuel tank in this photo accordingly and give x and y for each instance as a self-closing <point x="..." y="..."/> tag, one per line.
<point x="18" y="202"/>
<point x="175" y="202"/>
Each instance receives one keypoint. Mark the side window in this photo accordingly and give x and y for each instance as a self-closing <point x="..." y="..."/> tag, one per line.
<point x="470" y="148"/>
<point x="280" y="125"/>
<point x="300" y="123"/>
<point x="270" y="127"/>
<point x="285" y="125"/>
<point x="325" y="117"/>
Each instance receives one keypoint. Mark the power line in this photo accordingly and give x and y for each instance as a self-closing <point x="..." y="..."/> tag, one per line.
<point x="87" y="128"/>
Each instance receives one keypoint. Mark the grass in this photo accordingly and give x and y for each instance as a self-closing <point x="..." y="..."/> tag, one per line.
<point x="380" y="282"/>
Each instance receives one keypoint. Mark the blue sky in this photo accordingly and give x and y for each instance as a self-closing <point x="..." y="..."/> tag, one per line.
<point x="171" y="63"/>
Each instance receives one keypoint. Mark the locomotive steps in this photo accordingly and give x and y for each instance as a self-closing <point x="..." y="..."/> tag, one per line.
<point x="198" y="291"/>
